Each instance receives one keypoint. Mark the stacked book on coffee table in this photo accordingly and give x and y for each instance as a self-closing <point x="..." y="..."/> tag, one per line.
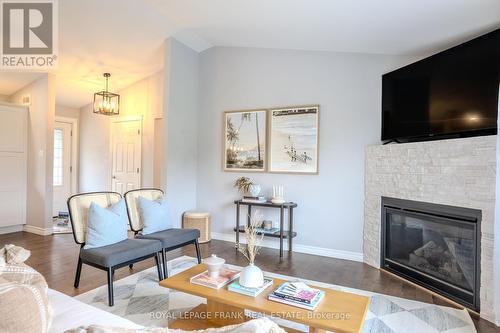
<point x="236" y="287"/>
<point x="297" y="294"/>
<point x="226" y="276"/>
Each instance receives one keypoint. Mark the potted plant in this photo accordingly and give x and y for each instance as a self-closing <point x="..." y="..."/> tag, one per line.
<point x="252" y="276"/>
<point x="246" y="186"/>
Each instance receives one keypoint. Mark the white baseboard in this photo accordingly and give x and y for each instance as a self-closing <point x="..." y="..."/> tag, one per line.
<point x="319" y="251"/>
<point x="11" y="228"/>
<point x="37" y="230"/>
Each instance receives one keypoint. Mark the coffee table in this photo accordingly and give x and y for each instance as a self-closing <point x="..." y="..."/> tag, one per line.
<point x="339" y="312"/>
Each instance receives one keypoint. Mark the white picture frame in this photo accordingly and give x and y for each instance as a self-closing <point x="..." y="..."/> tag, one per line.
<point x="294" y="140"/>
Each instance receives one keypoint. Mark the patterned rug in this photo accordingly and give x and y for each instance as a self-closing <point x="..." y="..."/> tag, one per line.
<point x="140" y="299"/>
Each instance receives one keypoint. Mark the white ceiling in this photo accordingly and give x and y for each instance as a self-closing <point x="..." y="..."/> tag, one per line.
<point x="399" y="27"/>
<point x="125" y="37"/>
<point x="11" y="82"/>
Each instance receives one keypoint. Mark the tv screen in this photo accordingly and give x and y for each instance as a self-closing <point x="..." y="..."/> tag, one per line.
<point x="450" y="94"/>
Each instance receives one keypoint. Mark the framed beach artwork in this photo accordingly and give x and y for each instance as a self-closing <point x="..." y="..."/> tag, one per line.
<point x="245" y="138"/>
<point x="294" y="139"/>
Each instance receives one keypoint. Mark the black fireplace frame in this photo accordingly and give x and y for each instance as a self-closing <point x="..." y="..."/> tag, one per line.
<point x="438" y="213"/>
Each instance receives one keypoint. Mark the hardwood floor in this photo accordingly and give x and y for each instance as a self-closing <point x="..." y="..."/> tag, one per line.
<point x="56" y="256"/>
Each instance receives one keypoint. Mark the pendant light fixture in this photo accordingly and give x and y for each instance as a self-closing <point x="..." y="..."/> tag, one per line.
<point x="105" y="102"/>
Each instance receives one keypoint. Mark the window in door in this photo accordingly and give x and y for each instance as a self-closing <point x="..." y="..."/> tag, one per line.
<point x="58" y="157"/>
<point x="62" y="169"/>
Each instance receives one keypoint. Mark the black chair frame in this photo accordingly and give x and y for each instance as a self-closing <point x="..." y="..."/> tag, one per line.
<point x="109" y="270"/>
<point x="164" y="250"/>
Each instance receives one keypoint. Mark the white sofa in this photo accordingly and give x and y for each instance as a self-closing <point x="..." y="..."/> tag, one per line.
<point x="70" y="313"/>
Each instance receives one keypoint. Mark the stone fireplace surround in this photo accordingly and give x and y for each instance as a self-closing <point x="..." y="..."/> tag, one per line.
<point x="457" y="172"/>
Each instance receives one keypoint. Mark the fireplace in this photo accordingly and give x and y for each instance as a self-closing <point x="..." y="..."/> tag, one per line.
<point x="435" y="246"/>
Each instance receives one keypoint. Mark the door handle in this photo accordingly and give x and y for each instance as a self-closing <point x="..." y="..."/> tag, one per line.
<point x="114" y="177"/>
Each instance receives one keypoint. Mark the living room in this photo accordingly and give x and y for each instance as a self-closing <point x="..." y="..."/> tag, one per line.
<point x="205" y="90"/>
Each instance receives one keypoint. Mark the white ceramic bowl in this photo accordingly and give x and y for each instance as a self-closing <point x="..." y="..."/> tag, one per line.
<point x="277" y="201"/>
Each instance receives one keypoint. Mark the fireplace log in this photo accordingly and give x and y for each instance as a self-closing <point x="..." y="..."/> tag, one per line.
<point x="421" y="251"/>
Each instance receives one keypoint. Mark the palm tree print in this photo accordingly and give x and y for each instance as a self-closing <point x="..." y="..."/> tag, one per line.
<point x="247" y="116"/>
<point x="243" y="140"/>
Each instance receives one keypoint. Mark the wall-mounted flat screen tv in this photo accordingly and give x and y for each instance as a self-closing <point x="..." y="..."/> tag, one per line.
<point x="451" y="94"/>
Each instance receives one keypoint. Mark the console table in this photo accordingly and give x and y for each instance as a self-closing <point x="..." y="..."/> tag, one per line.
<point x="282" y="234"/>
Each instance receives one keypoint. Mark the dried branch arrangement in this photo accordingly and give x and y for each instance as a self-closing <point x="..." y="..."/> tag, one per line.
<point x="253" y="239"/>
<point x="243" y="184"/>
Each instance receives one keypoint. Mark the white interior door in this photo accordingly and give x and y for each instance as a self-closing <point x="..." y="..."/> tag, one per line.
<point x="62" y="166"/>
<point x="126" y="155"/>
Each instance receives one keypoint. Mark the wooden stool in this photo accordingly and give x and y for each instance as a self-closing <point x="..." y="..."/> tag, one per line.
<point x="198" y="220"/>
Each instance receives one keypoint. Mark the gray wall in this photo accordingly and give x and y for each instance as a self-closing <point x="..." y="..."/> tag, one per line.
<point x="180" y="132"/>
<point x="94" y="158"/>
<point x="347" y="87"/>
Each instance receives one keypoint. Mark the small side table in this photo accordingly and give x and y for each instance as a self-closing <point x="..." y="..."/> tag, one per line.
<point x="198" y="220"/>
<point x="282" y="233"/>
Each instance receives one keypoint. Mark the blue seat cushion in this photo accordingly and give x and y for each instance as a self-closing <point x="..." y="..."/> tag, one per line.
<point x="121" y="252"/>
<point x="173" y="237"/>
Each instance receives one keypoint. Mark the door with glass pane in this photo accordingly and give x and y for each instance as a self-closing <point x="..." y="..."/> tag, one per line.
<point x="62" y="166"/>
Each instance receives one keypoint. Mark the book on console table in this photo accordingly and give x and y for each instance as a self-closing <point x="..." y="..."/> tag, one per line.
<point x="254" y="201"/>
<point x="258" y="199"/>
<point x="297" y="294"/>
<point x="226" y="275"/>
<point x="236" y="287"/>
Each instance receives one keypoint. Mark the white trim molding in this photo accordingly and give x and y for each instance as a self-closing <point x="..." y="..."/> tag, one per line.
<point x="37" y="230"/>
<point x="11" y="228"/>
<point x="300" y="248"/>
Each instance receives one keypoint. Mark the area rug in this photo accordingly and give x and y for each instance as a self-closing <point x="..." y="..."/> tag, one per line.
<point x="140" y="299"/>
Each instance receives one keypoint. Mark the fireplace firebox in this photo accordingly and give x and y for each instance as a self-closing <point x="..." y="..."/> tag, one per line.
<point x="435" y="246"/>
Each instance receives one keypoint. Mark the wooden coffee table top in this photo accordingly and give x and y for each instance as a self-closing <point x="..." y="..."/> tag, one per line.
<point x="338" y="311"/>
